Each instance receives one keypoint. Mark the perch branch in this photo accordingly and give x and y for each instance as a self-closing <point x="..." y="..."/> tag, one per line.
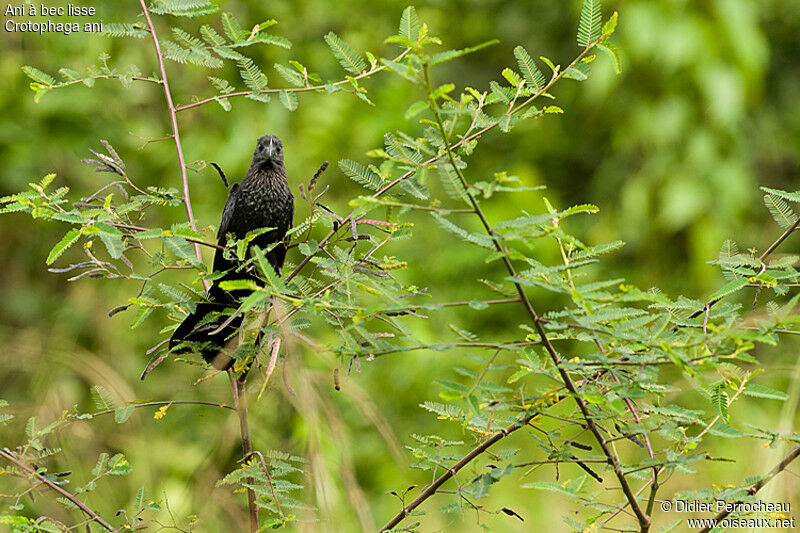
<point x="240" y="403"/>
<point x="431" y="489"/>
<point x="758" y="485"/>
<point x="82" y="506"/>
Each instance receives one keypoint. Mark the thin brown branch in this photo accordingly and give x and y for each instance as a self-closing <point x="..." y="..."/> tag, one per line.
<point x="643" y="519"/>
<point x="793" y="454"/>
<point x="82" y="506"/>
<point x="560" y="461"/>
<point x="431" y="489"/>
<point x="307" y="88"/>
<point x="269" y="479"/>
<point x="409" y="309"/>
<point x="190" y="239"/>
<point x="101" y="77"/>
<point x="772" y="247"/>
<point x="493" y="345"/>
<point x="240" y="403"/>
<point x="464" y="140"/>
<point x="632" y="408"/>
<point x="166" y="402"/>
<point x="173" y="117"/>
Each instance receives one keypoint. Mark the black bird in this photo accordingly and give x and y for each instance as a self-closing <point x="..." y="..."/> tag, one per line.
<point x="262" y="199"/>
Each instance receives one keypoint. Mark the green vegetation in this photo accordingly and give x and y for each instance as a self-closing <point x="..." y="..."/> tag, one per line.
<point x="530" y="294"/>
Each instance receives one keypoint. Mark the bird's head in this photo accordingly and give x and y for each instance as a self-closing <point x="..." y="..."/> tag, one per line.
<point x="269" y="149"/>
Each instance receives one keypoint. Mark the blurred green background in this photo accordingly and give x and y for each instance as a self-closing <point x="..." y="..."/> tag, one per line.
<point x="673" y="151"/>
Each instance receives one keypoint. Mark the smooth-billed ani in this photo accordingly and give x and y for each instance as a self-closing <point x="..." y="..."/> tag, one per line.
<point x="262" y="199"/>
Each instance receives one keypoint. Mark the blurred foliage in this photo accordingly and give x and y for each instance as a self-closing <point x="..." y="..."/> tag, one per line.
<point x="672" y="151"/>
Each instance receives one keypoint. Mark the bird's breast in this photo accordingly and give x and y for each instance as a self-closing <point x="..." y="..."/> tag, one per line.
<point x="264" y="204"/>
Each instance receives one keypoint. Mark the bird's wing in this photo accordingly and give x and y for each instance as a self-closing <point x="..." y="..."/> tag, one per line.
<point x="227" y="214"/>
<point x="291" y="214"/>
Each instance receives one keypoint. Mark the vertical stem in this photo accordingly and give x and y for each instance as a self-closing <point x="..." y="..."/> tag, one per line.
<point x="240" y="403"/>
<point x="643" y="519"/>
<point x="173" y="117"/>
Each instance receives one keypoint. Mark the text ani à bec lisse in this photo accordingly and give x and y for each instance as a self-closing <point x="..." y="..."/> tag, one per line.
<point x="49" y="26"/>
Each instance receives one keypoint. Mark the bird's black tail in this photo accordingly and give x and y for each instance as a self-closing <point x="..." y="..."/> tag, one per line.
<point x="209" y="330"/>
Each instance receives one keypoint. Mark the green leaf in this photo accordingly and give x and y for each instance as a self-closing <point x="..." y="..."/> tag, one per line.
<point x="222" y="85"/>
<point x="575" y="73"/>
<point x="550" y="64"/>
<point x="413" y="186"/>
<point x="100" y="466"/>
<point x="534" y="78"/>
<point x="760" y="391"/>
<point x="475" y="238"/>
<point x="189" y="49"/>
<point x="589" y="26"/>
<point x="507" y="122"/>
<point x="239" y="284"/>
<point x="415" y="109"/>
<point x="62" y="245"/>
<point x="183" y="8"/>
<point x="290" y="75"/>
<point x="102" y="398"/>
<point x="611" y="24"/>
<point x="232" y="28"/>
<point x="519" y="374"/>
<point x="141" y="315"/>
<point x="409" y="24"/>
<point x="289" y="100"/>
<point x="114" y="29"/>
<point x="138" y="501"/>
<point x="790" y="196"/>
<point x="266" y="270"/>
<point x="780" y="210"/>
<point x="361" y="174"/>
<point x="511" y="77"/>
<point x="252" y="76"/>
<point x="112" y="239"/>
<point x="266" y="38"/>
<point x="500" y="94"/>
<point x="122" y="414"/>
<point x="719" y="399"/>
<point x="550" y="486"/>
<point x="451" y="184"/>
<point x="349" y="59"/>
<point x="181" y="248"/>
<point x="725" y="431"/>
<point x="729" y="288"/>
<point x="611" y="50"/>
<point x="30" y="427"/>
<point x="119" y="466"/>
<point x="38" y="76"/>
<point x="448" y="55"/>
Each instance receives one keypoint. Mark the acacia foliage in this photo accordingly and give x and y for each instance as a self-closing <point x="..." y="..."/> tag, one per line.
<point x="593" y="370"/>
